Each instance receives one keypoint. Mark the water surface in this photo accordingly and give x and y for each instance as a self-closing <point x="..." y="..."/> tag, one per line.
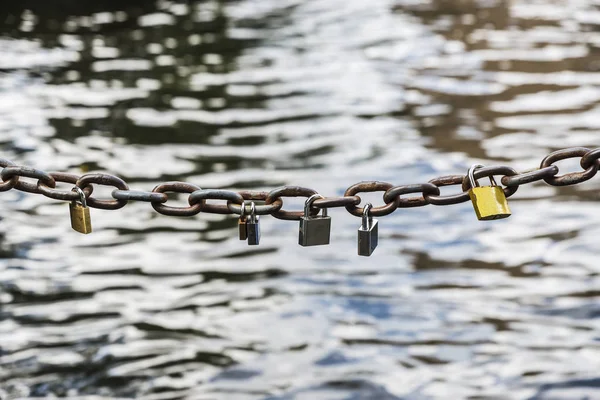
<point x="253" y="94"/>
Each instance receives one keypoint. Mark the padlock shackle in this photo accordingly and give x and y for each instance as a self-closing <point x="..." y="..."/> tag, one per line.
<point x="471" y="175"/>
<point x="253" y="217"/>
<point x="309" y="203"/>
<point x="367" y="217"/>
<point x="243" y="210"/>
<point x="472" y="179"/>
<point x="81" y="194"/>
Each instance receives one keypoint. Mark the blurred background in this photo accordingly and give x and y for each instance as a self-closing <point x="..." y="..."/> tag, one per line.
<point x="254" y="94"/>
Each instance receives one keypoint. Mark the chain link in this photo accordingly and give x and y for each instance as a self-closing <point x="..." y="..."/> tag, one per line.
<point x="448" y="180"/>
<point x="373" y="186"/>
<point x="11" y="183"/>
<point x="489" y="172"/>
<point x="16" y="171"/>
<point x="106" y="180"/>
<point x="426" y="189"/>
<point x="574" y="177"/>
<point x="530" y="176"/>
<point x="67" y="195"/>
<point x="266" y="209"/>
<point x="271" y="203"/>
<point x="137" y="195"/>
<point x="177" y="187"/>
<point x="289" y="191"/>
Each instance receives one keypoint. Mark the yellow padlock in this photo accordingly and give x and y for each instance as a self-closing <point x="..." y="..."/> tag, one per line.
<point x="489" y="202"/>
<point x="80" y="214"/>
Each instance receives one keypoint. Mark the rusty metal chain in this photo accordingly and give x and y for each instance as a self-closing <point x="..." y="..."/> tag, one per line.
<point x="272" y="202"/>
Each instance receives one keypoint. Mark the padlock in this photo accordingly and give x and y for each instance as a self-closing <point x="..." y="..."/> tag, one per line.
<point x="489" y="201"/>
<point x="80" y="213"/>
<point x="253" y="226"/>
<point x="242" y="222"/>
<point x="368" y="233"/>
<point x="314" y="231"/>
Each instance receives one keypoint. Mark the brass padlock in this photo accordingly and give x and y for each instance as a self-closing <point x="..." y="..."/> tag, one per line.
<point x="314" y="231"/>
<point x="80" y="213"/>
<point x="368" y="233"/>
<point x="242" y="222"/>
<point x="253" y="226"/>
<point x="489" y="202"/>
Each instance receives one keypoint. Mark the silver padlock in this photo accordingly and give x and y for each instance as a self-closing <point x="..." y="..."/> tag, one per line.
<point x="242" y="228"/>
<point x="314" y="231"/>
<point x="368" y="233"/>
<point x="253" y="226"/>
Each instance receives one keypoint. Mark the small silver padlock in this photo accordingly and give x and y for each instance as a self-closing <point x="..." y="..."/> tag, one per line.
<point x="253" y="226"/>
<point x="242" y="222"/>
<point x="314" y="231"/>
<point x="368" y="233"/>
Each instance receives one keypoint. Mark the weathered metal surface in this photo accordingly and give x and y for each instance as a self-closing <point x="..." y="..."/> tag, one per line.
<point x="530" y="176"/>
<point x="427" y="189"/>
<point x="572" y="178"/>
<point x="448" y="180"/>
<point x="273" y="200"/>
<point x="138" y="195"/>
<point x="66" y="195"/>
<point x="288" y="191"/>
<point x="106" y="180"/>
<point x="12" y="171"/>
<point x="371" y="186"/>
<point x="177" y="187"/>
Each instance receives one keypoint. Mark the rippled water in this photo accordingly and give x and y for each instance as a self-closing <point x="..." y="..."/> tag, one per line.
<point x="319" y="93"/>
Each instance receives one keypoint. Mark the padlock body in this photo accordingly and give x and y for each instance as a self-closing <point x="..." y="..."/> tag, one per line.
<point x="80" y="218"/>
<point x="489" y="202"/>
<point x="314" y="231"/>
<point x="242" y="228"/>
<point x="253" y="231"/>
<point x="368" y="237"/>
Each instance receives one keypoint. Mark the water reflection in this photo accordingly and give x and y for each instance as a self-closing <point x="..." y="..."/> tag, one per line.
<point x="255" y="94"/>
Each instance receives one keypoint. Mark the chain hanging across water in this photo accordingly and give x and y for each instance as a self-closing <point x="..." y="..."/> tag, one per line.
<point x="489" y="202"/>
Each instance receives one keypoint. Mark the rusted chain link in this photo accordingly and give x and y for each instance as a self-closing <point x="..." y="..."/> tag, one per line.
<point x="16" y="171"/>
<point x="490" y="172"/>
<point x="288" y="191"/>
<point x="530" y="176"/>
<point x="67" y="195"/>
<point x="374" y="186"/>
<point x="574" y="177"/>
<point x="177" y="187"/>
<point x="267" y="209"/>
<point x="107" y="180"/>
<point x="448" y="180"/>
<point x="426" y="189"/>
<point x="271" y="203"/>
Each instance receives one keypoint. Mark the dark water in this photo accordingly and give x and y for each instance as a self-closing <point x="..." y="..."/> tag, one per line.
<point x="319" y="93"/>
